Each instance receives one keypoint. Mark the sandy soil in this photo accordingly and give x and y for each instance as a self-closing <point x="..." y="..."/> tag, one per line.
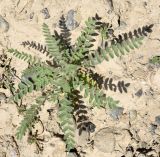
<point x="136" y="132"/>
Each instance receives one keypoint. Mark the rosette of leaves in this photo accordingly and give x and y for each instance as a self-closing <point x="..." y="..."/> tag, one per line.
<point x="70" y="73"/>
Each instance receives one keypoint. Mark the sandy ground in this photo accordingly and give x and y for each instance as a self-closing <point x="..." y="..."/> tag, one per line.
<point x="137" y="131"/>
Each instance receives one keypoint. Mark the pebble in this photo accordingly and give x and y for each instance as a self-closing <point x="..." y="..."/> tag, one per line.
<point x="122" y="25"/>
<point x="104" y="140"/>
<point x="152" y="153"/>
<point x="46" y="13"/>
<point x="157" y="119"/>
<point x="116" y="112"/>
<point x="81" y="139"/>
<point x="71" y="22"/>
<point x="31" y="15"/>
<point x="139" y="93"/>
<point x="4" y="25"/>
<point x="143" y="144"/>
<point x="70" y="154"/>
<point x="132" y="115"/>
<point x="3" y="97"/>
<point x="145" y="4"/>
<point x="141" y="155"/>
<point x="110" y="3"/>
<point x="13" y="153"/>
<point x="129" y="154"/>
<point x="152" y="128"/>
<point x="90" y="127"/>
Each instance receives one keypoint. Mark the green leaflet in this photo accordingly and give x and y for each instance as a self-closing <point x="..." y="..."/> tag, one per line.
<point x="117" y="49"/>
<point x="91" y="90"/>
<point x="66" y="122"/>
<point x="84" y="42"/>
<point x="34" y="78"/>
<point x="155" y="60"/>
<point x="28" y="121"/>
<point x="24" y="56"/>
<point x="51" y="42"/>
<point x="86" y="92"/>
<point x="111" y="102"/>
<point x="30" y="117"/>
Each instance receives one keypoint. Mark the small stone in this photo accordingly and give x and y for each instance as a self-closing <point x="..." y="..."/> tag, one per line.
<point x="157" y="120"/>
<point x="90" y="127"/>
<point x="152" y="128"/>
<point x="129" y="154"/>
<point x="50" y="110"/>
<point x="104" y="140"/>
<point x="152" y="153"/>
<point x="4" y="25"/>
<point x="31" y="15"/>
<point x="71" y="22"/>
<point x="13" y="153"/>
<point x="139" y="93"/>
<point x="46" y="13"/>
<point x="116" y="112"/>
<point x="109" y="11"/>
<point x="3" y="97"/>
<point x="132" y="115"/>
<point x="81" y="139"/>
<point x="145" y="4"/>
<point x="70" y="154"/>
<point x="110" y="3"/>
<point x="143" y="144"/>
<point x="141" y="155"/>
<point x="123" y="24"/>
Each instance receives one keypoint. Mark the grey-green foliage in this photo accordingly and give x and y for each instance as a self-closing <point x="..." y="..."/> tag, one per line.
<point x="84" y="41"/>
<point x="30" y="117"/>
<point x="66" y="121"/>
<point x="116" y="49"/>
<point x="66" y="74"/>
<point x="51" y="42"/>
<point x="155" y="60"/>
<point x="35" y="77"/>
<point x="28" y="121"/>
<point x="24" y="56"/>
